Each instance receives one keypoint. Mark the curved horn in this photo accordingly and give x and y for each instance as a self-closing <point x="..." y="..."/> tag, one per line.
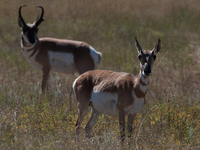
<point x="40" y="19"/>
<point x="20" y="16"/>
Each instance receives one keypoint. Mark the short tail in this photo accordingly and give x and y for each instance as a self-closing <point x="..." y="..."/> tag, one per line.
<point x="97" y="56"/>
<point x="100" y="57"/>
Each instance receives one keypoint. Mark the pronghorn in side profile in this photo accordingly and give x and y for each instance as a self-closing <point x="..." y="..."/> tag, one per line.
<point x="114" y="93"/>
<point x="58" y="55"/>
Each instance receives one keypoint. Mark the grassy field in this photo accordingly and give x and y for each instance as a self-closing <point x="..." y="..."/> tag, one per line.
<point x="171" y="117"/>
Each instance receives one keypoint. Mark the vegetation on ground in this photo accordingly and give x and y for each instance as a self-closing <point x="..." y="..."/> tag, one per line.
<point x="171" y="117"/>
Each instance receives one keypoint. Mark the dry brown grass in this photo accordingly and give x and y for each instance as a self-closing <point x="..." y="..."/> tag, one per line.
<point x="170" y="120"/>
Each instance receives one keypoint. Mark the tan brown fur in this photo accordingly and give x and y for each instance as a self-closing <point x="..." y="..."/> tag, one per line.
<point x="125" y="86"/>
<point x="107" y="81"/>
<point x="80" y="50"/>
<point x="67" y="56"/>
<point x="82" y="58"/>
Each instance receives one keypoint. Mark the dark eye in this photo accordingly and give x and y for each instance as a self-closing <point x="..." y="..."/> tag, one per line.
<point x="154" y="57"/>
<point x="139" y="56"/>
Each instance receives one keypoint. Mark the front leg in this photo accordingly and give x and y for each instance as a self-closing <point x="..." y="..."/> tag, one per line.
<point x="131" y="118"/>
<point x="122" y="123"/>
<point x="45" y="78"/>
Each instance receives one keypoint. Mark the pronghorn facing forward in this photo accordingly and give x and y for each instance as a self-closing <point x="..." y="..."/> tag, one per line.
<point x="114" y="93"/>
<point x="55" y="54"/>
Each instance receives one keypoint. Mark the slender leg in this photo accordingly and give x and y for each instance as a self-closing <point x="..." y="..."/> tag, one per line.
<point x="131" y="118"/>
<point x="122" y="123"/>
<point x="92" y="121"/>
<point x="45" y="78"/>
<point x="83" y="98"/>
<point x="70" y="100"/>
<point x="82" y="111"/>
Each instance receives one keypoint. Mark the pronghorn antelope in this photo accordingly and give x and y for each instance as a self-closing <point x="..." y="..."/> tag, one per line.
<point x="114" y="93"/>
<point x="58" y="55"/>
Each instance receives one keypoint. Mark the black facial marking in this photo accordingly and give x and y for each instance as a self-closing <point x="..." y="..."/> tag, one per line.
<point x="36" y="30"/>
<point x="31" y="35"/>
<point x="154" y="56"/>
<point x="24" y="30"/>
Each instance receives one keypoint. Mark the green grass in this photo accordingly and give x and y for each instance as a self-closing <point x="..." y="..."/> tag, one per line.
<point x="171" y="117"/>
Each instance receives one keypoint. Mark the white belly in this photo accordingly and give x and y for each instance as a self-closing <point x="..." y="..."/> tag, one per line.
<point x="105" y="103"/>
<point x="62" y="62"/>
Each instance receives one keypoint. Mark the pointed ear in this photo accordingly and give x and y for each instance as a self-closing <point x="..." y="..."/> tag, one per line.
<point x="157" y="47"/>
<point x="139" y="48"/>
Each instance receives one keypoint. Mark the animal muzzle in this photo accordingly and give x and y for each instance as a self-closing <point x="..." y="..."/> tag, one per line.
<point x="147" y="70"/>
<point x="31" y="37"/>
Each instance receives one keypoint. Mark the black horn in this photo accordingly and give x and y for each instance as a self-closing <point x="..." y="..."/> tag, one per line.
<point x="40" y="19"/>
<point x="20" y="16"/>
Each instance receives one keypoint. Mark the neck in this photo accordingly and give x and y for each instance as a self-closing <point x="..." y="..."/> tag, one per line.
<point x="143" y="79"/>
<point x="29" y="48"/>
<point x="142" y="83"/>
<point x="25" y="44"/>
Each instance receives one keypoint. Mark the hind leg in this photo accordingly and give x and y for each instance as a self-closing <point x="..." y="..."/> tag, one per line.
<point x="82" y="111"/>
<point x="92" y="121"/>
<point x="82" y="91"/>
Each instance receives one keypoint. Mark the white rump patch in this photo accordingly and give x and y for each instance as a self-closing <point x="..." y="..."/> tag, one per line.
<point x="74" y="83"/>
<point x="105" y="103"/>
<point x="96" y="56"/>
<point x="62" y="62"/>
